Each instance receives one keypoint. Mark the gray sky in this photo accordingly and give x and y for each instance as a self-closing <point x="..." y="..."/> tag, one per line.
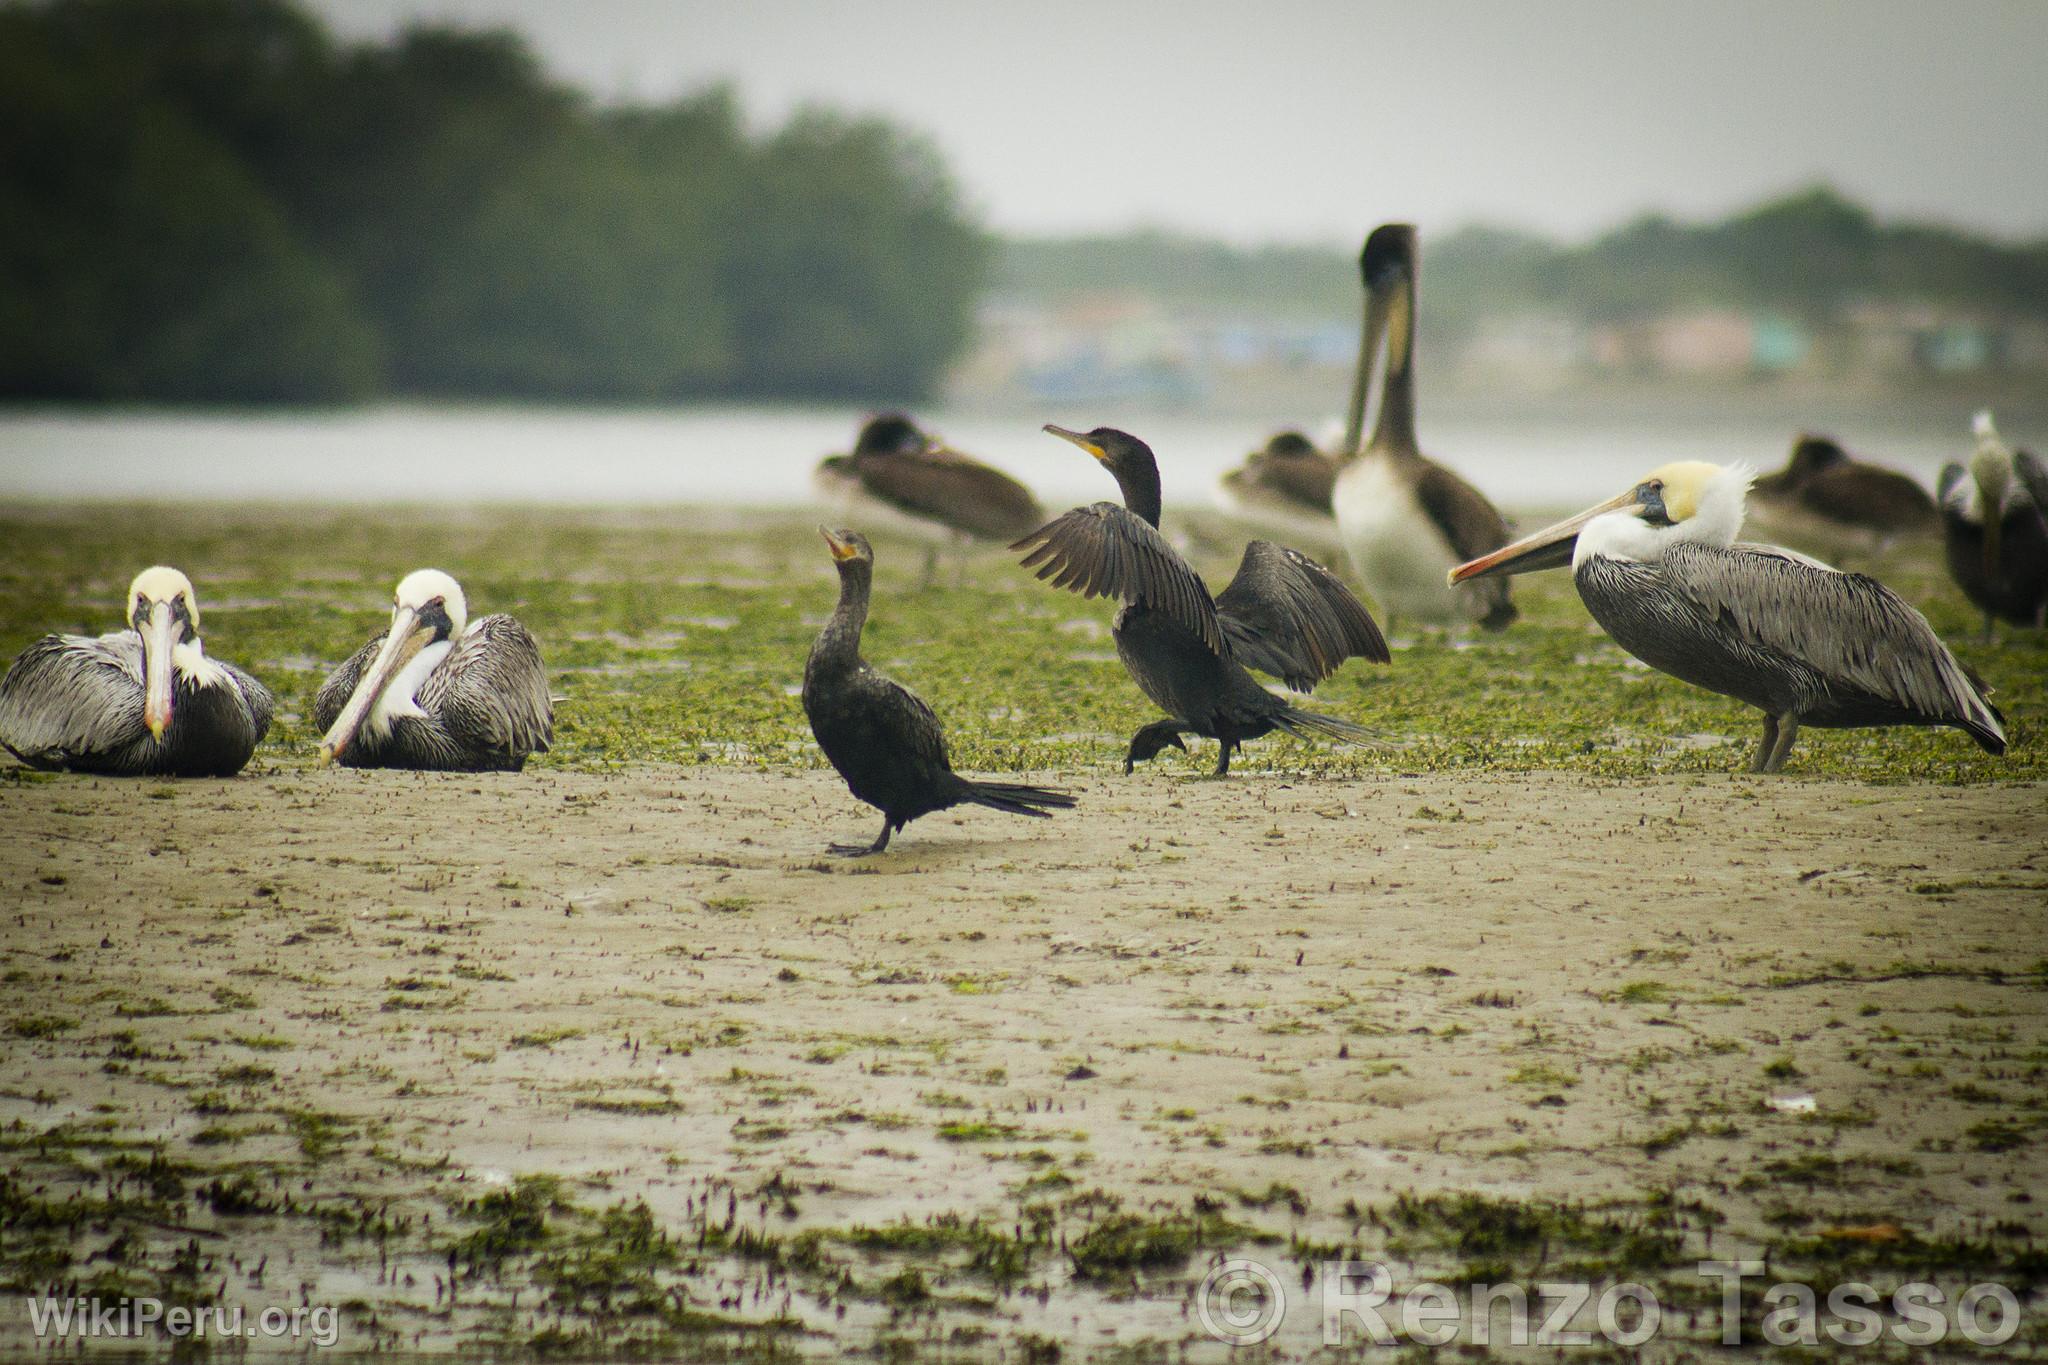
<point x="1305" y="120"/>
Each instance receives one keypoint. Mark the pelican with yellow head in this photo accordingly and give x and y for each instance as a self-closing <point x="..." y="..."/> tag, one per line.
<point x="437" y="690"/>
<point x="146" y="700"/>
<point x="1660" y="569"/>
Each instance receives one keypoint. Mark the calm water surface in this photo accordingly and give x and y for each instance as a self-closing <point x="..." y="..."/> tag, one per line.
<point x="764" y="456"/>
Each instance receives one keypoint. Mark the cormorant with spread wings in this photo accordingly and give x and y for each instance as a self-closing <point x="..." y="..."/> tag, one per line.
<point x="1283" y="614"/>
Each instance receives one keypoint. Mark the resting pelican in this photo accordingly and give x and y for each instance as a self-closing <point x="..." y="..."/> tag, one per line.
<point x="1660" y="570"/>
<point x="1283" y="614"/>
<point x="1404" y="518"/>
<point x="1995" y="524"/>
<point x="1825" y="498"/>
<point x="145" y="701"/>
<point x="1284" y="490"/>
<point x="905" y="479"/>
<point x="434" y="693"/>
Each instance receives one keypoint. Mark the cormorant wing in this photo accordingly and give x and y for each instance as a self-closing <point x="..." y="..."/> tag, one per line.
<point x="492" y="689"/>
<point x="949" y="487"/>
<point x="72" y="694"/>
<point x="341" y="685"/>
<point x="1848" y="627"/>
<point x="1469" y="522"/>
<point x="1287" y="615"/>
<point x="1104" y="550"/>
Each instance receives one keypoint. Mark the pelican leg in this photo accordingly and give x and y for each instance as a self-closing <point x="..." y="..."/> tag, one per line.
<point x="1787" y="727"/>
<point x="1770" y="741"/>
<point x="1151" y="740"/>
<point x="862" y="850"/>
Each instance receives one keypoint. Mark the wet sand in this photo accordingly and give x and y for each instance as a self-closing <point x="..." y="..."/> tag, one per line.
<point x="654" y="985"/>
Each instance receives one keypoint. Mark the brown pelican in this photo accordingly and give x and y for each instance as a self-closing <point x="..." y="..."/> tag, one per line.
<point x="1995" y="525"/>
<point x="903" y="478"/>
<point x="1283" y="614"/>
<point x="1825" y="498"/>
<point x="1660" y="570"/>
<point x="879" y="735"/>
<point x="1404" y="519"/>
<point x="1284" y="490"/>
<point x="436" y="690"/>
<point x="145" y="701"/>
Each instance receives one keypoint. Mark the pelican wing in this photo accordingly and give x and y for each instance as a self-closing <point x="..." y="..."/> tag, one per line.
<point x="262" y="706"/>
<point x="1104" y="550"/>
<point x="1287" y="615"/>
<point x="69" y="695"/>
<point x="341" y="685"/>
<point x="492" y="689"/>
<point x="2034" y="478"/>
<point x="1848" y="627"/>
<point x="946" y="486"/>
<point x="1469" y="522"/>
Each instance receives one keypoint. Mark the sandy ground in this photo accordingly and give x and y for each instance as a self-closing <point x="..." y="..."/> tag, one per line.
<point x="653" y="984"/>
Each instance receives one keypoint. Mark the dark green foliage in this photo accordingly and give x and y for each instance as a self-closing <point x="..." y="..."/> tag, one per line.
<point x="212" y="200"/>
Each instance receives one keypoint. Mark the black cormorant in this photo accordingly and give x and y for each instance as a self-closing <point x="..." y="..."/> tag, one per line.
<point x="1405" y="519"/>
<point x="879" y="736"/>
<point x="1283" y="614"/>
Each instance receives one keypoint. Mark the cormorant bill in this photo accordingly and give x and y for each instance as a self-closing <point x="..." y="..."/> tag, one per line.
<point x="1405" y="519"/>
<point x="879" y="735"/>
<point x="145" y="701"/>
<point x="1660" y="569"/>
<point x="1824" y="496"/>
<point x="437" y="690"/>
<point x="1283" y="614"/>
<point x="1994" y="521"/>
<point x="1283" y="490"/>
<point x="902" y="477"/>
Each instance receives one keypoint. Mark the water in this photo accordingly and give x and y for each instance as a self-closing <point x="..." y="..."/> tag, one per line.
<point x="1542" y="455"/>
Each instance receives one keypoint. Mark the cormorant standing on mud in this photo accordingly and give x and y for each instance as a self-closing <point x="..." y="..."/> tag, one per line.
<point x="882" y="739"/>
<point x="1283" y="614"/>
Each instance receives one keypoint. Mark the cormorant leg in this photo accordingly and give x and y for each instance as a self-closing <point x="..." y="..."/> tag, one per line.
<point x="1770" y="742"/>
<point x="1151" y="739"/>
<point x="1224" y="746"/>
<point x="1788" y="730"/>
<point x="862" y="850"/>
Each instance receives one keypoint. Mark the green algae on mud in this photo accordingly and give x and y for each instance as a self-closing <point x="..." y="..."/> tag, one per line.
<point x="679" y="635"/>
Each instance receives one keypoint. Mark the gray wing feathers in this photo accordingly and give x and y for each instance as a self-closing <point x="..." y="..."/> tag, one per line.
<point x="1287" y="615"/>
<point x="1847" y="627"/>
<point x="1103" y="550"/>
<point x="256" y="697"/>
<point x="493" y="690"/>
<point x="73" y="694"/>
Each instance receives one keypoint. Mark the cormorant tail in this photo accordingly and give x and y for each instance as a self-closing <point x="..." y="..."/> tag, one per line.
<point x="1017" y="798"/>
<point x="1308" y="724"/>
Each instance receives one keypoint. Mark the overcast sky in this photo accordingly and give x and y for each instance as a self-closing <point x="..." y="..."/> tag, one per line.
<point x="1307" y="120"/>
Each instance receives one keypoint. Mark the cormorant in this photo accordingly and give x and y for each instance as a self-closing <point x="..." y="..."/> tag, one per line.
<point x="145" y="701"/>
<point x="1283" y="614"/>
<point x="1404" y="518"/>
<point x="903" y="478"/>
<point x="437" y="690"/>
<point x="1994" y="518"/>
<point x="879" y="735"/>
<point x="1659" y="568"/>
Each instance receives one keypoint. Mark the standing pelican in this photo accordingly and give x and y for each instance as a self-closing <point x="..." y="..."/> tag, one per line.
<point x="434" y="693"/>
<point x="1405" y="519"/>
<point x="1284" y="490"/>
<point x="878" y="734"/>
<point x="1994" y="519"/>
<point x="901" y="477"/>
<point x="1826" y="499"/>
<point x="1660" y="570"/>
<point x="1283" y="614"/>
<point x="145" y="701"/>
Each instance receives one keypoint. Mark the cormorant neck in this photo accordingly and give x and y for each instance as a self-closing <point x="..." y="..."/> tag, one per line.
<point x="1396" y="425"/>
<point x="839" y="641"/>
<point x="1139" y="481"/>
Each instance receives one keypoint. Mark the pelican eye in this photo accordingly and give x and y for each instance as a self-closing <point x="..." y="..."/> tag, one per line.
<point x="1650" y="493"/>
